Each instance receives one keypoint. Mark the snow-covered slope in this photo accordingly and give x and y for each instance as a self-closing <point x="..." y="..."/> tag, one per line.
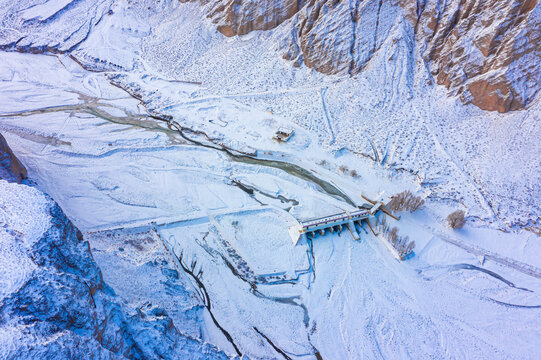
<point x="50" y="25"/>
<point x="485" y="51"/>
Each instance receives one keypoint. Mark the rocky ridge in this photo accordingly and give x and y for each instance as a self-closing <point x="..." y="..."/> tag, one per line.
<point x="487" y="53"/>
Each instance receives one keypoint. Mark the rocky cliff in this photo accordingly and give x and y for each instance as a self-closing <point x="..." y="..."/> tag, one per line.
<point x="54" y="303"/>
<point x="488" y="53"/>
<point x="11" y="168"/>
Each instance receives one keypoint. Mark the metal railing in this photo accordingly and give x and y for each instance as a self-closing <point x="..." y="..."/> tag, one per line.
<point x="335" y="219"/>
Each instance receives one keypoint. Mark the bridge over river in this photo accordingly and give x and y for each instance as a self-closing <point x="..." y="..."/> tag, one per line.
<point x="334" y="223"/>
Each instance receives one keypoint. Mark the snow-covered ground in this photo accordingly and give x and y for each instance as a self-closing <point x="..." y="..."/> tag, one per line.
<point x="94" y="148"/>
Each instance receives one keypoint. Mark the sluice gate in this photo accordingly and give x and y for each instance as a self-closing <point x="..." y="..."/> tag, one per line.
<point x="337" y="222"/>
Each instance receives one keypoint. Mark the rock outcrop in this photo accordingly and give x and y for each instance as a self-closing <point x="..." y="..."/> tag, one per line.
<point x="11" y="168"/>
<point x="54" y="303"/>
<point x="230" y="16"/>
<point x="488" y="53"/>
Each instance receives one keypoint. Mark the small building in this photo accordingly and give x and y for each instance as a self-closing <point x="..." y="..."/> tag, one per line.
<point x="283" y="134"/>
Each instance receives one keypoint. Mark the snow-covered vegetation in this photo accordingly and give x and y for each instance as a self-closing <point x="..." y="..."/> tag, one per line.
<point x="456" y="219"/>
<point x="405" y="201"/>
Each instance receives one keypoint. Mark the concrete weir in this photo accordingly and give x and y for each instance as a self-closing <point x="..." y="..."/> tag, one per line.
<point x="330" y="223"/>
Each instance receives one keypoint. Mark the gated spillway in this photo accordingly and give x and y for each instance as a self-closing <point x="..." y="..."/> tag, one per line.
<point x="331" y="223"/>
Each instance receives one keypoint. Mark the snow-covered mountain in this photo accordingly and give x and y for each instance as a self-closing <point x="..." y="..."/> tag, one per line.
<point x="150" y="123"/>
<point x="486" y="52"/>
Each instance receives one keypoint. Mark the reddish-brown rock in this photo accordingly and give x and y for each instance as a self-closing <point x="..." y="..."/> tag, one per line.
<point x="239" y="17"/>
<point x="492" y="95"/>
<point x="487" y="52"/>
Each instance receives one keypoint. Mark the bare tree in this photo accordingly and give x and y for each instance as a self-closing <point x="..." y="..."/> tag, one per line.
<point x="456" y="219"/>
<point x="405" y="201"/>
<point x="401" y="244"/>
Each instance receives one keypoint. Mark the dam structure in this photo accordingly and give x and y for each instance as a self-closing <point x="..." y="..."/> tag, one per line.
<point x="331" y="223"/>
<point x="336" y="222"/>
